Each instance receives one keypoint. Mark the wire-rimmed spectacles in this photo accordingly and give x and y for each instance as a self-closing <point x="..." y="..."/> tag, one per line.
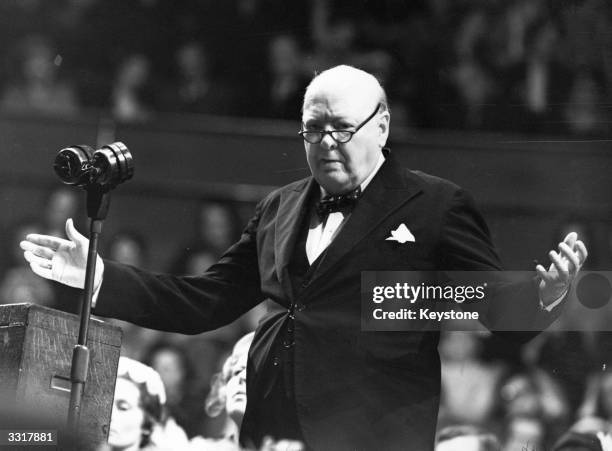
<point x="340" y="136"/>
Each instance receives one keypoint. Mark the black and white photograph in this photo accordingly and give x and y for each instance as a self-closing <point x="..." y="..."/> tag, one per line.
<point x="303" y="225"/>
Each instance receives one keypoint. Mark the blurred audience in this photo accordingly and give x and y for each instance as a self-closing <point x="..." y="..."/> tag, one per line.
<point x="132" y="97"/>
<point x="217" y="226"/>
<point x="227" y="397"/>
<point x="37" y="86"/>
<point x="281" y="88"/>
<point x="128" y="247"/>
<point x="227" y="401"/>
<point x="184" y="398"/>
<point x="525" y="434"/>
<point x="18" y="283"/>
<point x="597" y="401"/>
<point x="193" y="88"/>
<point x="523" y="65"/>
<point x="469" y="384"/>
<point x="61" y="204"/>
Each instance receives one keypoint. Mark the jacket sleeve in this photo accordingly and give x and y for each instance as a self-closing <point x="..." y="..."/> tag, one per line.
<point x="188" y="305"/>
<point x="466" y="251"/>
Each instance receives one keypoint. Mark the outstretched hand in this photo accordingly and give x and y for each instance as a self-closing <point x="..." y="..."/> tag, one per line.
<point x="563" y="269"/>
<point x="61" y="260"/>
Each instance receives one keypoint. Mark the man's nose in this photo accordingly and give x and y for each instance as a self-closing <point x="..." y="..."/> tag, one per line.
<point x="328" y="142"/>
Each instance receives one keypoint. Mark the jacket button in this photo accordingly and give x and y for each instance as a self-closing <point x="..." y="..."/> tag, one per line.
<point x="275" y="361"/>
<point x="305" y="283"/>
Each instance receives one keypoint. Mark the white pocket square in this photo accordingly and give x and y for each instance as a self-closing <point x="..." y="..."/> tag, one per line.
<point x="402" y="235"/>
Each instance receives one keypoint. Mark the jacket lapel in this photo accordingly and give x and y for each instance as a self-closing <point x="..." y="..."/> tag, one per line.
<point x="387" y="191"/>
<point x="290" y="218"/>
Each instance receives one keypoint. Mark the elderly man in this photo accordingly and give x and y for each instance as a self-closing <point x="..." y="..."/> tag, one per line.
<point x="313" y="375"/>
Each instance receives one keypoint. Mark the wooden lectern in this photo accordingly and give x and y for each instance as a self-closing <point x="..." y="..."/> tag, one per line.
<point x="36" y="346"/>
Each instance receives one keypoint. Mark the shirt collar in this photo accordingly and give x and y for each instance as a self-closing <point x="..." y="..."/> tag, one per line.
<point x="368" y="179"/>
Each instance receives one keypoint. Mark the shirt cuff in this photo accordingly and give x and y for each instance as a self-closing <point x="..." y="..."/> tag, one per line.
<point x="550" y="307"/>
<point x="96" y="293"/>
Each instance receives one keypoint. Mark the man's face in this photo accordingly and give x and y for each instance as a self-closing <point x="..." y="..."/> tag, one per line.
<point x="341" y="167"/>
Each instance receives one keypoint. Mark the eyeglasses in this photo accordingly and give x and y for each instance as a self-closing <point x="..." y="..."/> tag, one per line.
<point x="340" y="136"/>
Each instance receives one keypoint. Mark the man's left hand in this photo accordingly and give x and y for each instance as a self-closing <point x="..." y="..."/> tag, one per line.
<point x="563" y="269"/>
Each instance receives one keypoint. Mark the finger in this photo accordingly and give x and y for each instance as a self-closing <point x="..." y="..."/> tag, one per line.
<point x="73" y="234"/>
<point x="582" y="251"/>
<point x="571" y="256"/>
<point x="41" y="251"/>
<point x="40" y="261"/>
<point x="42" y="272"/>
<point x="49" y="241"/>
<point x="560" y="264"/>
<point x="570" y="239"/>
<point x="542" y="272"/>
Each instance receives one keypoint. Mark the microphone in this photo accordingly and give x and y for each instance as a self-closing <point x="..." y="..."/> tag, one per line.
<point x="106" y="167"/>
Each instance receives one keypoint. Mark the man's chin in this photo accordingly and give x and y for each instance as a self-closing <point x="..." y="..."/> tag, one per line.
<point x="335" y="185"/>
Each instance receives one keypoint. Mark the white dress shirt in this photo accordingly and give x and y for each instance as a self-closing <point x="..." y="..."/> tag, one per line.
<point x="322" y="233"/>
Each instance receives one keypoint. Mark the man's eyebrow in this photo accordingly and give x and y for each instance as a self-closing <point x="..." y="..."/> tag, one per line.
<point x="332" y="120"/>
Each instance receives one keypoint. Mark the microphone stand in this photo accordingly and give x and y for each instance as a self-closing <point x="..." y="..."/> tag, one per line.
<point x="98" y="201"/>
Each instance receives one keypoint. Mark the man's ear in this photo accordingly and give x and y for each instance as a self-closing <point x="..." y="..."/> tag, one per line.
<point x="383" y="127"/>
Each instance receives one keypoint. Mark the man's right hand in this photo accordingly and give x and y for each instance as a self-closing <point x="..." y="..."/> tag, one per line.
<point x="61" y="260"/>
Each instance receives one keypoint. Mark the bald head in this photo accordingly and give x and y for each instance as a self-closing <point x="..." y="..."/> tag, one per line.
<point x="344" y="99"/>
<point x="346" y="82"/>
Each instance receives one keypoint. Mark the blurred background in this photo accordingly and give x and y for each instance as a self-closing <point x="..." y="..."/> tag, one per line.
<point x="509" y="99"/>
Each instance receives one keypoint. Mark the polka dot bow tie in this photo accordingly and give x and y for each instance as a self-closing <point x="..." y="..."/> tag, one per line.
<point x="339" y="202"/>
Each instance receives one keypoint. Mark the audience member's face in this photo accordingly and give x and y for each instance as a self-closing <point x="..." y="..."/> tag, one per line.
<point x="216" y="226"/>
<point x="337" y="167"/>
<point x="134" y="71"/>
<point x="127" y="251"/>
<point x="170" y="368"/>
<point x="235" y="388"/>
<point x="38" y="65"/>
<point x="127" y="417"/>
<point x="465" y="443"/>
<point x="284" y="56"/>
<point x="191" y="61"/>
<point x="62" y="204"/>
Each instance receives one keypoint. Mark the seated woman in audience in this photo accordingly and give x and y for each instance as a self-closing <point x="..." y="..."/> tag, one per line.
<point x="228" y="397"/>
<point x="228" y="391"/>
<point x="138" y="419"/>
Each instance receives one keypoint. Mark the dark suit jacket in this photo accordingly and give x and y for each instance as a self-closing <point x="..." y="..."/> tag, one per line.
<point x="353" y="389"/>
